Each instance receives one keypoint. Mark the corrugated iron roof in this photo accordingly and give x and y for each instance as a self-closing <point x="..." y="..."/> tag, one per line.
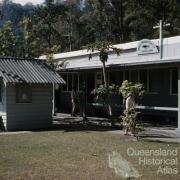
<point x="124" y="46"/>
<point x="29" y="71"/>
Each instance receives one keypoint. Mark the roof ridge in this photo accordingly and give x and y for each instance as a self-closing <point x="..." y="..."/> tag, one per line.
<point x="21" y="58"/>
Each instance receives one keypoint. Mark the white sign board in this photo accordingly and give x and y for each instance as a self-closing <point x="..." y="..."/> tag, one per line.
<point x="146" y="46"/>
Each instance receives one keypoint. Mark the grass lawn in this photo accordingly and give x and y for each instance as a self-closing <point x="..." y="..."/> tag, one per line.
<point x="73" y="155"/>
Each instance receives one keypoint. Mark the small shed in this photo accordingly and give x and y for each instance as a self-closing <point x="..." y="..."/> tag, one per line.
<point x="26" y="93"/>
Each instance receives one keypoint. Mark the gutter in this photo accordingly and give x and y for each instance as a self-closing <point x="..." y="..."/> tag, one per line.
<point x="154" y="62"/>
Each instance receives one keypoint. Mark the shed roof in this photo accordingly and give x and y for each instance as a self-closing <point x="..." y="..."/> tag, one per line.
<point x="29" y="71"/>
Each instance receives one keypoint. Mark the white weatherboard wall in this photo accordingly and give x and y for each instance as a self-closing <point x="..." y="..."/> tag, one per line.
<point x="34" y="115"/>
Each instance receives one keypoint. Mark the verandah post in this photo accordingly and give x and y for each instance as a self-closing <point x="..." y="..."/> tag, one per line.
<point x="178" y="99"/>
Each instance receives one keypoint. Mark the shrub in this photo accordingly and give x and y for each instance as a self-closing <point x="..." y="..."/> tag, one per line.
<point x="130" y="117"/>
<point x="130" y="120"/>
<point x="136" y="89"/>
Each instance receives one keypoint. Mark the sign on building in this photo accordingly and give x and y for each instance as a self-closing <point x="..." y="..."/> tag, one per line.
<point x="146" y="46"/>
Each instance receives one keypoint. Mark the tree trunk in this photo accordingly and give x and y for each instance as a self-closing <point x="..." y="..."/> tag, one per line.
<point x="104" y="74"/>
<point x="109" y="108"/>
<point x="122" y="20"/>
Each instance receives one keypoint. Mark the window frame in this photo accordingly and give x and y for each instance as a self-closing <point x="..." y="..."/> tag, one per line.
<point x="97" y="80"/>
<point x="18" y="88"/>
<point x="148" y="85"/>
<point x="170" y="82"/>
<point x="72" y="81"/>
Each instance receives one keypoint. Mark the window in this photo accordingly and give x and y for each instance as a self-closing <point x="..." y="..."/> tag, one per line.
<point x="154" y="85"/>
<point x="107" y="77"/>
<point x="120" y="78"/>
<point x="134" y="76"/>
<point x="23" y="93"/>
<point x="64" y="87"/>
<point x="126" y="75"/>
<point x="81" y="80"/>
<point x="112" y="78"/>
<point x="143" y="78"/>
<point x="173" y="81"/>
<point x="75" y="81"/>
<point x="69" y="83"/>
<point x="115" y="77"/>
<point x="98" y="79"/>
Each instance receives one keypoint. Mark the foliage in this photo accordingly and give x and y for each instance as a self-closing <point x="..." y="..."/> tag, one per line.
<point x="130" y="117"/>
<point x="103" y="48"/>
<point x="44" y="17"/>
<point x="75" y="23"/>
<point x="8" y="40"/>
<point x="49" y="52"/>
<point x="31" y="41"/>
<point x="103" y="91"/>
<point x="14" y="12"/>
<point x="136" y="89"/>
<point x="130" y="121"/>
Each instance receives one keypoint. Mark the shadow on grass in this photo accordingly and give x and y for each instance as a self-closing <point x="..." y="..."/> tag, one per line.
<point x="157" y="141"/>
<point x="155" y="136"/>
<point x="83" y="127"/>
<point x="72" y="125"/>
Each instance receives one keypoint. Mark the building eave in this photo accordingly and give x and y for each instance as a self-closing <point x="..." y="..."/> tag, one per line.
<point x="173" y="62"/>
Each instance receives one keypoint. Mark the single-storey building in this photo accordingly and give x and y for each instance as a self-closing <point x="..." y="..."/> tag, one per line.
<point x="26" y="93"/>
<point x="140" y="61"/>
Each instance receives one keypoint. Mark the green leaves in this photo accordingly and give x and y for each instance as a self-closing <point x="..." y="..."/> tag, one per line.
<point x="103" y="48"/>
<point x="136" y="89"/>
<point x="130" y="117"/>
<point x="49" y="52"/>
<point x="31" y="42"/>
<point x="103" y="91"/>
<point x="131" y="122"/>
<point x="75" y="24"/>
<point x="8" y="40"/>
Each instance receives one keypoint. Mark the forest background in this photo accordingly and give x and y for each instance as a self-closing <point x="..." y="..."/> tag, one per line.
<point x="60" y="26"/>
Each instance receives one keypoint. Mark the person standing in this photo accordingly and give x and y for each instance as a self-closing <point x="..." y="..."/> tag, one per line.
<point x="73" y="101"/>
<point x="129" y="105"/>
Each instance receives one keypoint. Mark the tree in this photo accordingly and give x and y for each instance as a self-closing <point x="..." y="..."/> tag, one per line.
<point x="8" y="41"/>
<point x="98" y="21"/>
<point x="31" y="42"/>
<point x="45" y="17"/>
<point x="70" y="25"/>
<point x="103" y="48"/>
<point x="104" y="93"/>
<point x="14" y="12"/>
<point x="118" y="9"/>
